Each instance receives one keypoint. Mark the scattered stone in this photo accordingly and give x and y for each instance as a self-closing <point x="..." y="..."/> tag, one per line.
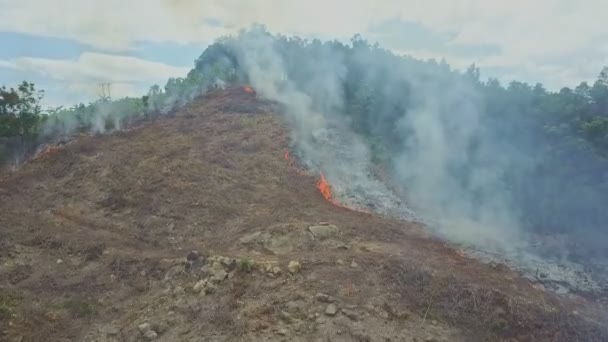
<point x="354" y="264"/>
<point x="59" y="261"/>
<point x="321" y="297"/>
<point x="209" y="289"/>
<point x="331" y="310"/>
<point x="110" y="330"/>
<point x="198" y="287"/>
<point x="217" y="266"/>
<point x="323" y="232"/>
<point x="294" y="267"/>
<point x="162" y="326"/>
<point x="230" y="263"/>
<point x="286" y="317"/>
<point x="430" y="339"/>
<point x="321" y="320"/>
<point x="251" y="238"/>
<point x="323" y="223"/>
<point x="353" y="315"/>
<point x="113" y="277"/>
<point x="194" y="255"/>
<point x="282" y="331"/>
<point x="219" y="275"/>
<point x="205" y="269"/>
<point x="340" y="262"/>
<point x="144" y="327"/>
<point x="279" y="244"/>
<point x="276" y="270"/>
<point x="344" y="246"/>
<point x="150" y="335"/>
<point x="434" y="322"/>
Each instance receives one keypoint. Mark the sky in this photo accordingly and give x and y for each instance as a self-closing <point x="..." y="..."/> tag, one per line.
<point x="69" y="47"/>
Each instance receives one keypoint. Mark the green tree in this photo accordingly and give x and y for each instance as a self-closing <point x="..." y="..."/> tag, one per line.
<point x="20" y="111"/>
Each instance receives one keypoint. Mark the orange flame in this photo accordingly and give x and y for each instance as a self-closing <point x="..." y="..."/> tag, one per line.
<point x="249" y="90"/>
<point x="322" y="184"/>
<point x="291" y="162"/>
<point x="325" y="188"/>
<point x="47" y="151"/>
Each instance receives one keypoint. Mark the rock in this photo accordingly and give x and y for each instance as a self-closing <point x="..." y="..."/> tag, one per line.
<point x="209" y="289"/>
<point x="323" y="232"/>
<point x="343" y="246"/>
<point x="340" y="262"/>
<point x="282" y="331"/>
<point x="434" y="322"/>
<point x="251" y="238"/>
<point x="331" y="310"/>
<point x="321" y="320"/>
<point x="162" y="326"/>
<point x="110" y="330"/>
<point x="198" y="287"/>
<point x="354" y="264"/>
<point x="59" y="261"/>
<point x="217" y="266"/>
<point x="194" y="255"/>
<point x="150" y="335"/>
<point x="279" y="244"/>
<point x="293" y="307"/>
<point x="430" y="339"/>
<point x="285" y="316"/>
<point x="276" y="270"/>
<point x="353" y="315"/>
<point x="294" y="267"/>
<point x="206" y="269"/>
<point x="230" y="263"/>
<point x="144" y="328"/>
<point x="219" y="275"/>
<point x="321" y="297"/>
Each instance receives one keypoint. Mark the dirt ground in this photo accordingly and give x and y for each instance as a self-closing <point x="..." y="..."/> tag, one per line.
<point x="97" y="241"/>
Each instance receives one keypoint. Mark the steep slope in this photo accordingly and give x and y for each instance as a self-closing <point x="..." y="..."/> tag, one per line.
<point x="96" y="240"/>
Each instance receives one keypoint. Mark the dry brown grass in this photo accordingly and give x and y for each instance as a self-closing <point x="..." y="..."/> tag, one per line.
<point x="113" y="207"/>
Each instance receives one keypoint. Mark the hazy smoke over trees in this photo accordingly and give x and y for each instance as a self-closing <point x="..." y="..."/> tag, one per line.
<point x="484" y="164"/>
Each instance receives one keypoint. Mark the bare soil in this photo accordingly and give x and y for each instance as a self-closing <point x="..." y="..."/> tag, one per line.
<point x="95" y="235"/>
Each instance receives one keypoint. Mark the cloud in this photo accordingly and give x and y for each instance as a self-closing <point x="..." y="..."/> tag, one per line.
<point x="514" y="35"/>
<point x="80" y="77"/>
<point x="98" y="67"/>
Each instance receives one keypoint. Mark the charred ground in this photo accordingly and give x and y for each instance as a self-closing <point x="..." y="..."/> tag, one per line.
<point x="95" y="236"/>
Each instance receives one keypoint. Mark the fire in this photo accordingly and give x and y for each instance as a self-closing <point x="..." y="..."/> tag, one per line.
<point x="325" y="188"/>
<point x="50" y="149"/>
<point x="322" y="184"/>
<point x="292" y="163"/>
<point x="249" y="90"/>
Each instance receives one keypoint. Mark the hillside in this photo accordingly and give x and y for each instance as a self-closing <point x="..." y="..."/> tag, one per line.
<point x="97" y="239"/>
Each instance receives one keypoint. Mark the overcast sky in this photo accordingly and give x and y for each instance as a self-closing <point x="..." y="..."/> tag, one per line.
<point x="68" y="47"/>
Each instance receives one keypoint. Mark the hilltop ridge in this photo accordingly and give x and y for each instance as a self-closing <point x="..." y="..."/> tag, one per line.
<point x="194" y="227"/>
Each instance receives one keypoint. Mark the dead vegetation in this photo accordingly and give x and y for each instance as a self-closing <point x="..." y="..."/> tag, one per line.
<point x="93" y="240"/>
